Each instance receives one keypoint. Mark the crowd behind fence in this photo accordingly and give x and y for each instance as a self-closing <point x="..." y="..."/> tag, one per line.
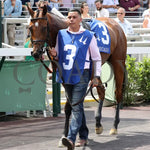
<point x="139" y="39"/>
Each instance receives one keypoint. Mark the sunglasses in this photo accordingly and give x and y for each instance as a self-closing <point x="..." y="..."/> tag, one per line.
<point x="120" y="13"/>
<point x="73" y="17"/>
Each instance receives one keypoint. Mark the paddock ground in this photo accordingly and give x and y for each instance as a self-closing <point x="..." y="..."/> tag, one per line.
<point x="39" y="133"/>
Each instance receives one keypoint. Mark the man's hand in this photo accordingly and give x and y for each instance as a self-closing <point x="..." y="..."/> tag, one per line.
<point x="53" y="52"/>
<point x="94" y="82"/>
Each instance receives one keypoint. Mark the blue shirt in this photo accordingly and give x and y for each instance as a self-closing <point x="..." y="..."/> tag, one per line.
<point x="9" y="10"/>
<point x="72" y="55"/>
<point x="126" y="26"/>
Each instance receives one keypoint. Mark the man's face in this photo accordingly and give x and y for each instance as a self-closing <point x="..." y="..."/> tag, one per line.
<point x="98" y="5"/>
<point x="120" y="14"/>
<point x="74" y="19"/>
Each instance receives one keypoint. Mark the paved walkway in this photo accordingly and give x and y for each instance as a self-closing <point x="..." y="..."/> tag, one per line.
<point x="44" y="133"/>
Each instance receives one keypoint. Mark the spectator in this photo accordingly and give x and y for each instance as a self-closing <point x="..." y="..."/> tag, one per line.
<point x="131" y="6"/>
<point x="85" y="11"/>
<point x="12" y="8"/>
<point x="100" y="12"/>
<point x="111" y="5"/>
<point x="124" y="23"/>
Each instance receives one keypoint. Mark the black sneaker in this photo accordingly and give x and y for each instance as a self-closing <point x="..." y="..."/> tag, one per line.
<point x="68" y="143"/>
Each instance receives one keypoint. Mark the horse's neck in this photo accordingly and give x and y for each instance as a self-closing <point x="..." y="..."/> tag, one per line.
<point x="55" y="24"/>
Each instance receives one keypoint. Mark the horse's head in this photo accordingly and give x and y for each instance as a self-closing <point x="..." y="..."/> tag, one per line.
<point x="39" y="31"/>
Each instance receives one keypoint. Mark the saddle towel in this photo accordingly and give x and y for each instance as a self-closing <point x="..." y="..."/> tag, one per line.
<point x="72" y="55"/>
<point x="102" y="35"/>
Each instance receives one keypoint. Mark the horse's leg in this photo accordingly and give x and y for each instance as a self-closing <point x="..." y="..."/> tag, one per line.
<point x="98" y="116"/>
<point x="67" y="110"/>
<point x="118" y="68"/>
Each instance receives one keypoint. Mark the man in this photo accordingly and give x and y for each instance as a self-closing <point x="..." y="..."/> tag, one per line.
<point x="111" y="6"/>
<point x="74" y="48"/>
<point x="124" y="23"/>
<point x="12" y="8"/>
<point x="131" y="6"/>
<point x="100" y="12"/>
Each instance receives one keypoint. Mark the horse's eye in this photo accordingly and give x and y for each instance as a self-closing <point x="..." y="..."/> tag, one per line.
<point x="44" y="28"/>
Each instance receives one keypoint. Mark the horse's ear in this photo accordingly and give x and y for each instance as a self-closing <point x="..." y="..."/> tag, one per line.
<point x="44" y="10"/>
<point x="31" y="12"/>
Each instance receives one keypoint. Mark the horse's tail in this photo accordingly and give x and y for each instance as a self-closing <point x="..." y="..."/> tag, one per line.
<point x="125" y="82"/>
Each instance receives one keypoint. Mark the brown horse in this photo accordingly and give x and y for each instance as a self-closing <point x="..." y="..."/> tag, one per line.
<point x="44" y="28"/>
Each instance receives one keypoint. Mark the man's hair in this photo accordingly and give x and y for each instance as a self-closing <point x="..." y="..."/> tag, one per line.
<point x="101" y="1"/>
<point x="75" y="10"/>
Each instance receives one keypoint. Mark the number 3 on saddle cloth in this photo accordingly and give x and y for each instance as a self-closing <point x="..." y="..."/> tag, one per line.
<point x="102" y="35"/>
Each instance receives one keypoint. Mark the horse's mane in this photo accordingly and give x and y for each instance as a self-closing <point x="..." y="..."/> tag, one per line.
<point x="58" y="20"/>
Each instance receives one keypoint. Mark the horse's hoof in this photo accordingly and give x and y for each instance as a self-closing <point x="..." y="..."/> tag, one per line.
<point x="113" y="132"/>
<point x="99" y="130"/>
<point x="60" y="144"/>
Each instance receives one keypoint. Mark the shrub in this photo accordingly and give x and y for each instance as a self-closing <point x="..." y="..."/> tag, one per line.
<point x="138" y="80"/>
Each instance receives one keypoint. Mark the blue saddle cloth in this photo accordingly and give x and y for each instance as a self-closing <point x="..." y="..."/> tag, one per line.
<point x="102" y="35"/>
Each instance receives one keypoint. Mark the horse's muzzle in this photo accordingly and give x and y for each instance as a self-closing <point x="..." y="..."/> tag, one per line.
<point x="37" y="55"/>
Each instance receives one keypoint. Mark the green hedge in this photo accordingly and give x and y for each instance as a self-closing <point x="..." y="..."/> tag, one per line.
<point x="138" y="82"/>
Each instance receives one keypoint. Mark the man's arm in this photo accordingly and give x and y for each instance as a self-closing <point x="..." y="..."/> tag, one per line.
<point x="8" y="8"/>
<point x="97" y="62"/>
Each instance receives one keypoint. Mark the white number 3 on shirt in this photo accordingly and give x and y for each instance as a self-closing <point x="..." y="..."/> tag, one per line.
<point x="69" y="57"/>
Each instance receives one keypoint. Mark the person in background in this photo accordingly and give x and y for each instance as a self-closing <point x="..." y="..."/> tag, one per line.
<point x="124" y="23"/>
<point x="131" y="6"/>
<point x="85" y="11"/>
<point x="146" y="15"/>
<point x="73" y="57"/>
<point x="100" y="12"/>
<point x="111" y="6"/>
<point x="12" y="8"/>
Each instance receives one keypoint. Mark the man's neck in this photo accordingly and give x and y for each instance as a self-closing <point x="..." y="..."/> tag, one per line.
<point x="74" y="29"/>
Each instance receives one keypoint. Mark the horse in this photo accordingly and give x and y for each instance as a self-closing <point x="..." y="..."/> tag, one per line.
<point x="44" y="27"/>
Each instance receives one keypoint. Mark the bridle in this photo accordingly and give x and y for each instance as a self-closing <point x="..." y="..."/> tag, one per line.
<point x="48" y="30"/>
<point x="43" y="48"/>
